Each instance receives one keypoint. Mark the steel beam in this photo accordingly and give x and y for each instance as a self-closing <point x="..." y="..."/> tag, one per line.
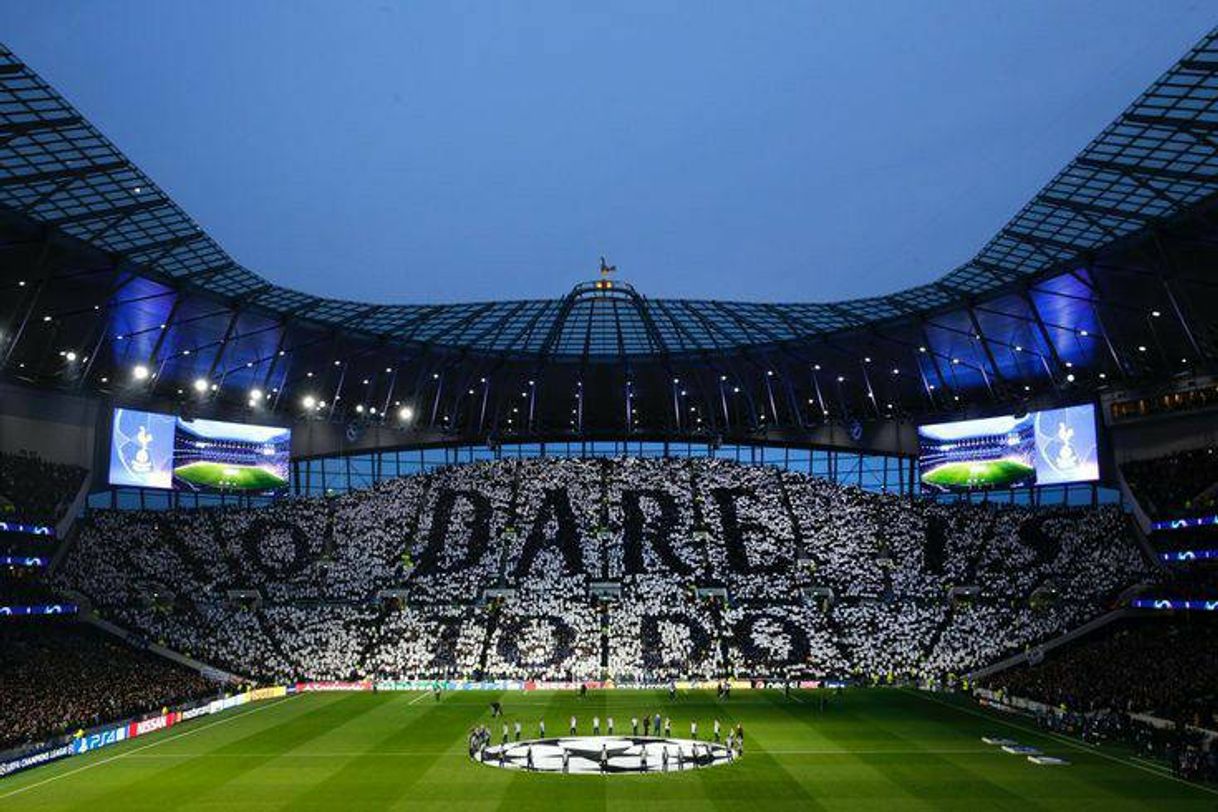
<point x="16" y="129"/>
<point x="17" y="325"/>
<point x="1165" y="280"/>
<point x="1095" y="208"/>
<point x="75" y="173"/>
<point x="1123" y="168"/>
<point x="1044" y="334"/>
<point x="228" y="334"/>
<point x="100" y="214"/>
<point x="985" y="346"/>
<point x="164" y="333"/>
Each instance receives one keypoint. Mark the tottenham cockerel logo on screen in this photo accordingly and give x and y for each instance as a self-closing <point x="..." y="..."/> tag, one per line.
<point x="141" y="449"/>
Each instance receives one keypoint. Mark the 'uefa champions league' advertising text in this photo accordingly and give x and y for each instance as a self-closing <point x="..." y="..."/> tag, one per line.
<point x="150" y="450"/>
<point x="1053" y="447"/>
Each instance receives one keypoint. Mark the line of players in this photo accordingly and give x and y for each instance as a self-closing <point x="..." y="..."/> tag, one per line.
<point x="648" y="724"/>
<point x="480" y="737"/>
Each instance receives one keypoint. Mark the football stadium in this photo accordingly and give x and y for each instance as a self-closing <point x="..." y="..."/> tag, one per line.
<point x="597" y="423"/>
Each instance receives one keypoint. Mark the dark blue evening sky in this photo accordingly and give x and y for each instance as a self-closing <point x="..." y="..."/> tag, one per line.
<point x="446" y="151"/>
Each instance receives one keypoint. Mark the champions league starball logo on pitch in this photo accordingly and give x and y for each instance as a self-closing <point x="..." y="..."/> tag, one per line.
<point x="606" y="755"/>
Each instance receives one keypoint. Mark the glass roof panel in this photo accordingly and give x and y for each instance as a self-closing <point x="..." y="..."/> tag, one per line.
<point x="1155" y="160"/>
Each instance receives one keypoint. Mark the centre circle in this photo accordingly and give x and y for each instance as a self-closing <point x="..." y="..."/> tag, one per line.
<point x="606" y="754"/>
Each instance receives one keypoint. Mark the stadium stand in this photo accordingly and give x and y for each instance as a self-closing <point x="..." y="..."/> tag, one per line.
<point x="1175" y="485"/>
<point x="58" y="677"/>
<point x="1152" y="666"/>
<point x="349" y="548"/>
<point x="35" y="491"/>
<point x="1151" y="681"/>
<point x="711" y="559"/>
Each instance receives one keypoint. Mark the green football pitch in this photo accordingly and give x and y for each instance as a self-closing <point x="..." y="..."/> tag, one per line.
<point x="877" y="749"/>
<point x="993" y="474"/>
<point x="229" y="477"/>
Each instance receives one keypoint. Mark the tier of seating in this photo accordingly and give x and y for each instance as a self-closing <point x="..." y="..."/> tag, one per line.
<point x="1115" y="684"/>
<point x="22" y="586"/>
<point x="59" y="677"/>
<point x="1175" y="485"/>
<point x="1151" y="666"/>
<point x="35" y="491"/>
<point x="713" y="569"/>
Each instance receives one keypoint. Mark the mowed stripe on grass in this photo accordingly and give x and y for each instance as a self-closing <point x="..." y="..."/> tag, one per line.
<point x="876" y="749"/>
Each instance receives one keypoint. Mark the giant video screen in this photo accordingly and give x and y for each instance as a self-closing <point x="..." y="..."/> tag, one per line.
<point x="151" y="450"/>
<point x="1051" y="447"/>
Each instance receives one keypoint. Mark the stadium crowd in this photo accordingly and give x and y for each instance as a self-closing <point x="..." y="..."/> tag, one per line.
<point x="641" y="569"/>
<point x="59" y="677"/>
<point x="35" y="491"/>
<point x="1181" y="484"/>
<point x="1153" y="666"/>
<point x="1152" y="682"/>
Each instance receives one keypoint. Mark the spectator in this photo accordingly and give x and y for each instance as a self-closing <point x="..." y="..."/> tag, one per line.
<point x="59" y="677"/>
<point x="714" y="570"/>
<point x="34" y="491"/>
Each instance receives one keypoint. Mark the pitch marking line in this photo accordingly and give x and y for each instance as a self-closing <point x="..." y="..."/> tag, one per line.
<point x="626" y="701"/>
<point x="417" y="698"/>
<point x="462" y="754"/>
<point x="1156" y="765"/>
<point x="1069" y="743"/>
<point x="131" y="752"/>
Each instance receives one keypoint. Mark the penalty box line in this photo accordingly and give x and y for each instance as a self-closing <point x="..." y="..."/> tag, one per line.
<point x="130" y="753"/>
<point x="1082" y="748"/>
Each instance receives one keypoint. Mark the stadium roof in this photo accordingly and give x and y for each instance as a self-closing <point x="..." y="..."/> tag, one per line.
<point x="1105" y="279"/>
<point x="1153" y="162"/>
